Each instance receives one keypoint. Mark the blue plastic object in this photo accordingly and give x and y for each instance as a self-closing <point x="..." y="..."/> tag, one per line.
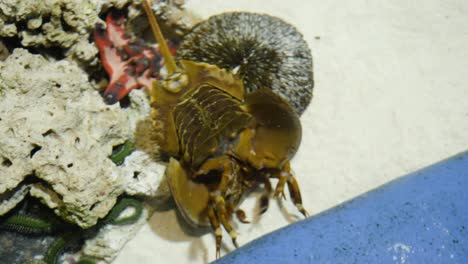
<point x="420" y="218"/>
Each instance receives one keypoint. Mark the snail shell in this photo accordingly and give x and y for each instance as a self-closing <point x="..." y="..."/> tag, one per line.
<point x="266" y="51"/>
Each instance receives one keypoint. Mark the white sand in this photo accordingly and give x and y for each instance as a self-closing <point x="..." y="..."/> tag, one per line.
<point x="391" y="97"/>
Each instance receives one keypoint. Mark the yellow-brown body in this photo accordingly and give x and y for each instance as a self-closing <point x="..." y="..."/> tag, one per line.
<point x="222" y="142"/>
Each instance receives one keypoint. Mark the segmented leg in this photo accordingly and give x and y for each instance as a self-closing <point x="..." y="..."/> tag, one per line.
<point x="293" y="187"/>
<point x="241" y="216"/>
<point x="295" y="194"/>
<point x="283" y="178"/>
<point x="217" y="229"/>
<point x="217" y="213"/>
<point x="221" y="213"/>
<point x="230" y="170"/>
<point x="265" y="198"/>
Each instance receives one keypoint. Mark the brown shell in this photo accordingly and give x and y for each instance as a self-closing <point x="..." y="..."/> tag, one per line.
<point x="204" y="121"/>
<point x="184" y="115"/>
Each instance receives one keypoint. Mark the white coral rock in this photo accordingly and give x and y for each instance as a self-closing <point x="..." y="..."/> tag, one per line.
<point x="56" y="131"/>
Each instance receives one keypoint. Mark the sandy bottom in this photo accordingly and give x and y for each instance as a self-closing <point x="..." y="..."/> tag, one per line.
<point x="391" y="97"/>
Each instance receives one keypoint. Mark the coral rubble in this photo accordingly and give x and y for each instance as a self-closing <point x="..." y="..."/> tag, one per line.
<point x="68" y="25"/>
<point x="52" y="23"/>
<point x="56" y="132"/>
<point x="56" y="135"/>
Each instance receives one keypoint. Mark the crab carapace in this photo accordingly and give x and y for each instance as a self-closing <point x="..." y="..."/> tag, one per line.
<point x="223" y="142"/>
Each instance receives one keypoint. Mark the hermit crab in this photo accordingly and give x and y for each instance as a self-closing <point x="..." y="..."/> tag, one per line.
<point x="224" y="129"/>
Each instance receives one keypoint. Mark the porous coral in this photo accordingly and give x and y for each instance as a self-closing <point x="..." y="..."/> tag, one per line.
<point x="56" y="133"/>
<point x="68" y="25"/>
<point x="56" y="136"/>
<point x="52" y="23"/>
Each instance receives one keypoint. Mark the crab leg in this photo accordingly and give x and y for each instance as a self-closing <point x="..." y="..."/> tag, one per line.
<point x="217" y="215"/>
<point x="295" y="194"/>
<point x="221" y="213"/>
<point x="217" y="229"/>
<point x="265" y="198"/>
<point x="242" y="216"/>
<point x="285" y="176"/>
<point x="219" y="210"/>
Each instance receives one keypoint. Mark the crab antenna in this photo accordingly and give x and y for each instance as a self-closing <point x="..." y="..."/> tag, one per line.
<point x="169" y="60"/>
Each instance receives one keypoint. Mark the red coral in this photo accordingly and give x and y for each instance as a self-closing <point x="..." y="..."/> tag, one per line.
<point x="130" y="63"/>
